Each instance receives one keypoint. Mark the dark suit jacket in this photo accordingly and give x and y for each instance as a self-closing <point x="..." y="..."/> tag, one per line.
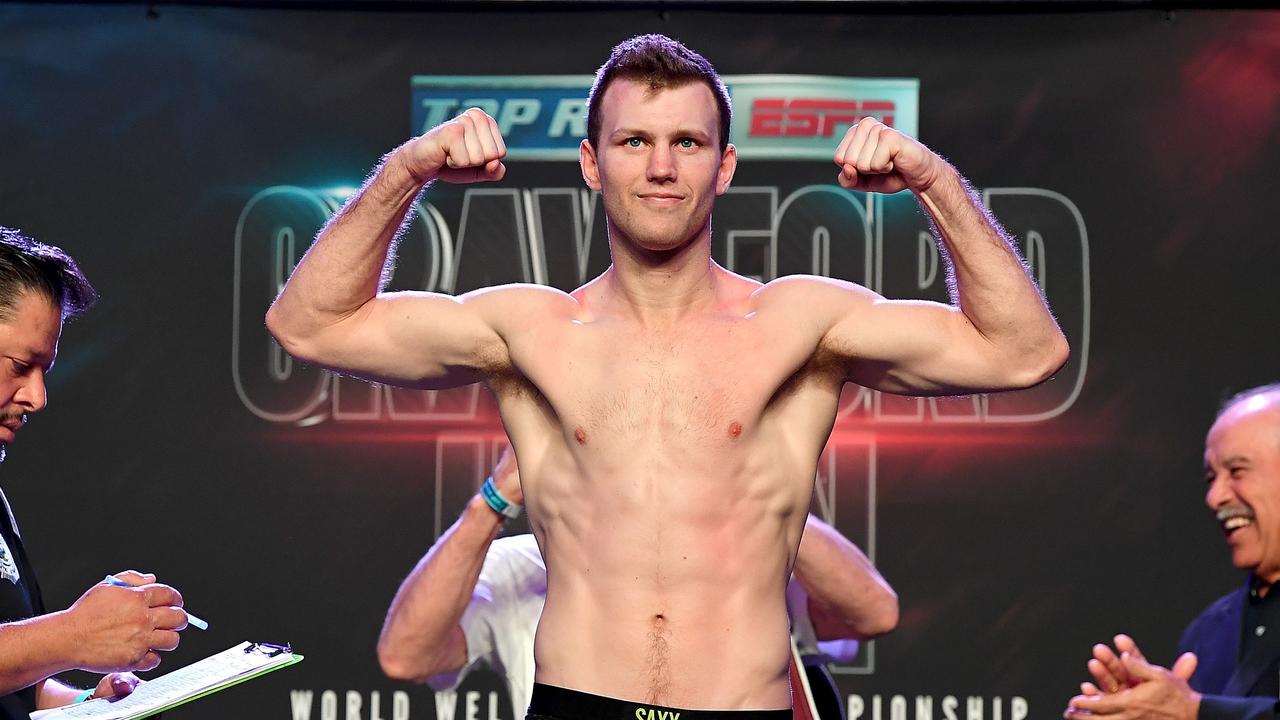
<point x="1227" y="681"/>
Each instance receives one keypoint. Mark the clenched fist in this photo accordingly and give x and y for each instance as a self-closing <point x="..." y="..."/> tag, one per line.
<point x="874" y="157"/>
<point x="466" y="149"/>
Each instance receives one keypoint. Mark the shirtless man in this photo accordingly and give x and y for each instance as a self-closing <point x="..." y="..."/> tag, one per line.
<point x="667" y="416"/>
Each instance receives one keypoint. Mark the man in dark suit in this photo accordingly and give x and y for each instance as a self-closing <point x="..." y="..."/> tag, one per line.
<point x="1229" y="667"/>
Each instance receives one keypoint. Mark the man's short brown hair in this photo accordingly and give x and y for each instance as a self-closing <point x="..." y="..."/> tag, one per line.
<point x="662" y="63"/>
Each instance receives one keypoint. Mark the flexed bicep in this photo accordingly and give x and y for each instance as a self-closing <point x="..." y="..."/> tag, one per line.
<point x="430" y="340"/>
<point x="918" y="347"/>
<point x="413" y="339"/>
<point x="913" y="347"/>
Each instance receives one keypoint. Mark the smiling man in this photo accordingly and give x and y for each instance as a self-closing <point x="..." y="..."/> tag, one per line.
<point x="1229" y="668"/>
<point x="109" y="628"/>
<point x="667" y="416"/>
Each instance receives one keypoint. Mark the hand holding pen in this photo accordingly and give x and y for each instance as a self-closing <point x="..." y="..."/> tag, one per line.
<point x="192" y="620"/>
<point x="124" y="623"/>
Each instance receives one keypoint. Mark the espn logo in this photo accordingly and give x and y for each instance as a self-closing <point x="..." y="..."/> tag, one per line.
<point x="813" y="117"/>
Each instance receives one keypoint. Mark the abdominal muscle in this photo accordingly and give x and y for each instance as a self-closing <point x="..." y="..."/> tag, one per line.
<point x="667" y="588"/>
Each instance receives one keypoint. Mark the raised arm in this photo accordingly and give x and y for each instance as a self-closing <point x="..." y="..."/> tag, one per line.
<point x="998" y="333"/>
<point x="422" y="635"/>
<point x="330" y="311"/>
<point x="847" y="596"/>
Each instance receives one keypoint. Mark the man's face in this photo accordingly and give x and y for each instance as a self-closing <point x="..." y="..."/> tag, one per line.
<point x="659" y="165"/>
<point x="1242" y="467"/>
<point x="28" y="347"/>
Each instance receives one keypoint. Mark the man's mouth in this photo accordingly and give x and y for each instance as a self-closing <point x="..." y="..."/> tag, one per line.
<point x="661" y="197"/>
<point x="11" y="422"/>
<point x="1235" y="517"/>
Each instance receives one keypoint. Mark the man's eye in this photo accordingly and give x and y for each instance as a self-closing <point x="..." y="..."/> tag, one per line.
<point x="687" y="143"/>
<point x="19" y="367"/>
<point x="634" y="142"/>
<point x="1236" y="473"/>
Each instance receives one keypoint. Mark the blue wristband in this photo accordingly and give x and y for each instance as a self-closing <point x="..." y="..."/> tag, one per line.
<point x="500" y="505"/>
<point x="84" y="695"/>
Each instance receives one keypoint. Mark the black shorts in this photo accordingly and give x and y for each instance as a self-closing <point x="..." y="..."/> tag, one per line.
<point x="556" y="703"/>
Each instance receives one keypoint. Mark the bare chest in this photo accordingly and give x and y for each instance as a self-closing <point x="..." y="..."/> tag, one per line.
<point x="710" y="380"/>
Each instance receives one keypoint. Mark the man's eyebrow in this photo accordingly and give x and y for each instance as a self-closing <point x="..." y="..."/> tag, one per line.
<point x="694" y="133"/>
<point x="679" y="132"/>
<point x="1236" y="460"/>
<point x="630" y="132"/>
<point x="31" y="357"/>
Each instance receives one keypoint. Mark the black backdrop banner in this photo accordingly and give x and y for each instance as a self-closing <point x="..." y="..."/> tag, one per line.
<point x="187" y="156"/>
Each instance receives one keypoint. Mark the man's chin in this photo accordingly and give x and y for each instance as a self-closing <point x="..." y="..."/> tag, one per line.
<point x="660" y="246"/>
<point x="665" y="237"/>
<point x="1246" y="558"/>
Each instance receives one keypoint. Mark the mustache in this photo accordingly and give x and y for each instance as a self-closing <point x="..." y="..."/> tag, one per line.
<point x="1233" y="511"/>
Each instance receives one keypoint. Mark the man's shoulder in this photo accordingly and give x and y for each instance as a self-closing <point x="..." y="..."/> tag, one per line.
<point x="517" y="296"/>
<point x="1226" y="603"/>
<point x="1217" y="611"/>
<point x="791" y="289"/>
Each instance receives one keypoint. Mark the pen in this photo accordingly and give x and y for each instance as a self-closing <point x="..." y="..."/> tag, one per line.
<point x="191" y="619"/>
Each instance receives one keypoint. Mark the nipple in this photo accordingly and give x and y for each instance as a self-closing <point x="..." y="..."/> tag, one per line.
<point x="735" y="429"/>
<point x="580" y="435"/>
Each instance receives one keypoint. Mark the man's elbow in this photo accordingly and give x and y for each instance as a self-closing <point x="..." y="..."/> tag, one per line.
<point x="397" y="667"/>
<point x="1039" y="363"/>
<point x="394" y="669"/>
<point x="285" y="332"/>
<point x="884" y="619"/>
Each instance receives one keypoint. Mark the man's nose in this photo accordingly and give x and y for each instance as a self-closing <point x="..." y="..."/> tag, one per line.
<point x="32" y="395"/>
<point x="661" y="165"/>
<point x="1219" y="492"/>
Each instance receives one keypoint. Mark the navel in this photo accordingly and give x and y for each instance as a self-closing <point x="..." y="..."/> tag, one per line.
<point x="580" y="435"/>
<point x="735" y="429"/>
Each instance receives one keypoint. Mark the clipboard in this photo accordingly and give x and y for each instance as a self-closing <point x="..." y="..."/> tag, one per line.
<point x="220" y="671"/>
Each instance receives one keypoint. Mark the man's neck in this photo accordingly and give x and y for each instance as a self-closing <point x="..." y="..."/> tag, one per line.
<point x="1260" y="584"/>
<point x="658" y="288"/>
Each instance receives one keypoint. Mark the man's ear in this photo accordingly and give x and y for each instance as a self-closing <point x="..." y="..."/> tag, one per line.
<point x="590" y="166"/>
<point x="728" y="163"/>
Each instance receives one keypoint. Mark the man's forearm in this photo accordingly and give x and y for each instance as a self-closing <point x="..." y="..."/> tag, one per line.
<point x="852" y="599"/>
<point x="993" y="288"/>
<point x="53" y="693"/>
<point x="430" y="602"/>
<point x="343" y="269"/>
<point x="32" y="650"/>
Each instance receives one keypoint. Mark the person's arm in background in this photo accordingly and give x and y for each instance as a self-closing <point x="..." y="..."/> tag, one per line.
<point x="847" y="596"/>
<point x="422" y="635"/>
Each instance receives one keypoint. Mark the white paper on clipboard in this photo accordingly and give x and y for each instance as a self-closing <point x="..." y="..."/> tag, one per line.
<point x="236" y="664"/>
